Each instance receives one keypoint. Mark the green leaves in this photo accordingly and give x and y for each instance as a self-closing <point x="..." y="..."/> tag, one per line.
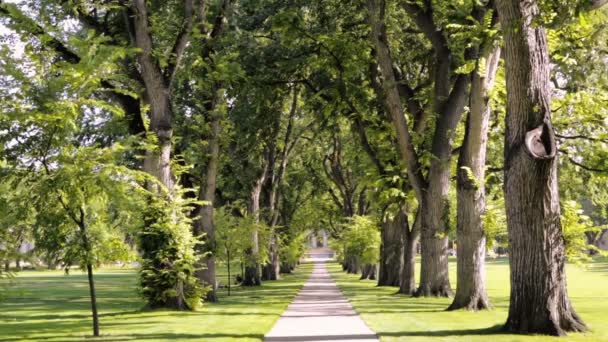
<point x="360" y="240"/>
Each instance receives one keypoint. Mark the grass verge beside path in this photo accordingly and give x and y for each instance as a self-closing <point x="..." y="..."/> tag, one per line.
<point x="401" y="318"/>
<point x="52" y="307"/>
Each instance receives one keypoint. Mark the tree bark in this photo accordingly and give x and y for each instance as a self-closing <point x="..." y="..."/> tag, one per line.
<point x="434" y="278"/>
<point x="252" y="268"/>
<point x="410" y="237"/>
<point x="205" y="223"/>
<point x="391" y="250"/>
<point x="368" y="271"/>
<point x="539" y="301"/>
<point x="158" y="95"/>
<point x="471" y="291"/>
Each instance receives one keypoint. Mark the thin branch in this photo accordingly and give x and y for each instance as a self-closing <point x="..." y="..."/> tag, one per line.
<point x="181" y="41"/>
<point x="580" y="136"/>
<point x="596" y="4"/>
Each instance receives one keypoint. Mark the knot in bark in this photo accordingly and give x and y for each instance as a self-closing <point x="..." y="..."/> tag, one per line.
<point x="540" y="142"/>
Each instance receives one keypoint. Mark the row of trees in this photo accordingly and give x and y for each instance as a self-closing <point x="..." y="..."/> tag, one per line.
<point x="199" y="131"/>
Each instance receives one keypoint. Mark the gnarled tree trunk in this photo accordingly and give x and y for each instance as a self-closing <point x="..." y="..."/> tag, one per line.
<point x="471" y="290"/>
<point x="539" y="301"/>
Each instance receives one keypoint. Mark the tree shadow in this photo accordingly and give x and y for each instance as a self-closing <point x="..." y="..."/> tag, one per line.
<point x="493" y="330"/>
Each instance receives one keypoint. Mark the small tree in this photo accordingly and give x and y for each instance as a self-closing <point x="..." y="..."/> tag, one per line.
<point x="575" y="226"/>
<point x="359" y="244"/>
<point x="232" y="239"/>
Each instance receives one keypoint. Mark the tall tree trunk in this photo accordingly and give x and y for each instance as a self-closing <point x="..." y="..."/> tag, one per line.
<point x="273" y="269"/>
<point x="471" y="290"/>
<point x="204" y="223"/>
<point x="391" y="250"/>
<point x="539" y="301"/>
<point x="252" y="267"/>
<point x="432" y="190"/>
<point x="410" y="238"/>
<point x="158" y="82"/>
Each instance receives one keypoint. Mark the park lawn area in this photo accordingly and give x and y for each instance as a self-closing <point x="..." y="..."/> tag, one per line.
<point x="46" y="305"/>
<point x="402" y="318"/>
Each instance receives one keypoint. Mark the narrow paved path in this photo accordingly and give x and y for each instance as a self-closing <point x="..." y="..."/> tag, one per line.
<point x="320" y="313"/>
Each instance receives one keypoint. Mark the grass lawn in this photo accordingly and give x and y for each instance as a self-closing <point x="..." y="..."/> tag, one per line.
<point x="401" y="318"/>
<point x="46" y="305"/>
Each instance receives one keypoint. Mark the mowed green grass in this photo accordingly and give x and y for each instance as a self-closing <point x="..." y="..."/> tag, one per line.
<point x="48" y="306"/>
<point x="401" y="318"/>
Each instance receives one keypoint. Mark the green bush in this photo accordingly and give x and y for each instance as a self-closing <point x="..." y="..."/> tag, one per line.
<point x="167" y="271"/>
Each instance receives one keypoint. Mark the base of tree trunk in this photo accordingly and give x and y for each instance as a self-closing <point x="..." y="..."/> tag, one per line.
<point x="286" y="268"/>
<point x="434" y="280"/>
<point x="568" y="322"/>
<point x="211" y="296"/>
<point x="475" y="302"/>
<point x="427" y="291"/>
<point x="368" y="272"/>
<point x="270" y="272"/>
<point x="252" y="276"/>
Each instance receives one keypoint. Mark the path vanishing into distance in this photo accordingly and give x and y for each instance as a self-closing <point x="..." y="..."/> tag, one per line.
<point x="320" y="312"/>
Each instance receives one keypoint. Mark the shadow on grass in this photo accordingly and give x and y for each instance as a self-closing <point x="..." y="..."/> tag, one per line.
<point x="149" y="337"/>
<point x="494" y="330"/>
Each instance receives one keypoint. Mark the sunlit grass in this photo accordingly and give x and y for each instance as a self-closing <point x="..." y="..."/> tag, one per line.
<point x="49" y="306"/>
<point x="401" y="318"/>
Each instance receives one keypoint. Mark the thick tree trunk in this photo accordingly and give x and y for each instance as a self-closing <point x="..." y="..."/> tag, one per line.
<point x="287" y="268"/>
<point x="7" y="266"/>
<point x="410" y="237"/>
<point x="204" y="223"/>
<point x="271" y="270"/>
<point x="434" y="278"/>
<point x="539" y="301"/>
<point x="391" y="250"/>
<point x="93" y="296"/>
<point x="471" y="291"/>
<point x="368" y="271"/>
<point x="352" y="266"/>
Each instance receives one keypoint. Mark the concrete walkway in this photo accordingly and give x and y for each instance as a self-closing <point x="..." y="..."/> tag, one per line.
<point x="320" y="313"/>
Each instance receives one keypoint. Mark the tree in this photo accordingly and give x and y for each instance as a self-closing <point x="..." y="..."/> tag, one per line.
<point x="450" y="82"/>
<point x="539" y="300"/>
<point x="471" y="292"/>
<point x="359" y="242"/>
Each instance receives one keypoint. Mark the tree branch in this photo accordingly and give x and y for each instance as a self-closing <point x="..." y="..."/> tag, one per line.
<point x="181" y="41"/>
<point x="596" y="4"/>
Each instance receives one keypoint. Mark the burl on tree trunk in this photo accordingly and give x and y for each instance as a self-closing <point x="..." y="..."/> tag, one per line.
<point x="539" y="301"/>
